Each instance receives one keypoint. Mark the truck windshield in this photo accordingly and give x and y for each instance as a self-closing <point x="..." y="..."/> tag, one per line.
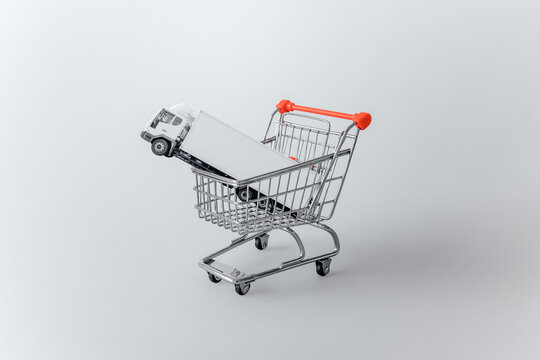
<point x="167" y="118"/>
<point x="164" y="117"/>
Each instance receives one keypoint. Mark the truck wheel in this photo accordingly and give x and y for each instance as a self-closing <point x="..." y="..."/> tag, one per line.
<point x="245" y="195"/>
<point x="160" y="147"/>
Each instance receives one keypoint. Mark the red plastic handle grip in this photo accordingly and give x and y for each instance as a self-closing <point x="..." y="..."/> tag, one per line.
<point x="362" y="120"/>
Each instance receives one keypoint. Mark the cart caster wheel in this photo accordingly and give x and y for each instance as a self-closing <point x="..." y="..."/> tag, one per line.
<point x="261" y="242"/>
<point x="241" y="289"/>
<point x="323" y="266"/>
<point x="213" y="278"/>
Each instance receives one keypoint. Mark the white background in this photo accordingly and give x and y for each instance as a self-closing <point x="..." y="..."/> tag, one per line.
<point x="439" y="219"/>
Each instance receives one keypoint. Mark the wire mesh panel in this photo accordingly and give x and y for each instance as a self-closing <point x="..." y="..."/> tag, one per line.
<point x="302" y="193"/>
<point x="305" y="137"/>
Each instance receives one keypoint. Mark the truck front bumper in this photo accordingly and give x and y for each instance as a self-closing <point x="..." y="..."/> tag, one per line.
<point x="146" y="136"/>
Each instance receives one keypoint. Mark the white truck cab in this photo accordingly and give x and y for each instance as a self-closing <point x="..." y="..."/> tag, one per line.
<point x="169" y="127"/>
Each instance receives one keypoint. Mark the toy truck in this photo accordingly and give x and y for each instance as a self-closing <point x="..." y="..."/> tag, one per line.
<point x="206" y="143"/>
<point x="168" y="129"/>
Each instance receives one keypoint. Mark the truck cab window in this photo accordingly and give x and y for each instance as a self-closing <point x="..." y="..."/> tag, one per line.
<point x="177" y="121"/>
<point x="167" y="118"/>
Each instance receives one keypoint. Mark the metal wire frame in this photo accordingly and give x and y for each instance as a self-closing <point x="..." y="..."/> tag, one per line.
<point x="306" y="192"/>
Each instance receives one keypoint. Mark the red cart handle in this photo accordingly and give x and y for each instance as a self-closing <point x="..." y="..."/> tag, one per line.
<point x="362" y="120"/>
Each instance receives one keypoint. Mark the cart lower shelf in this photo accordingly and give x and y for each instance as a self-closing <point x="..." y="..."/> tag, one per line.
<point x="218" y="271"/>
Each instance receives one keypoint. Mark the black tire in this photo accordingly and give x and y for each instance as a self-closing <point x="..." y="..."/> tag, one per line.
<point x="267" y="204"/>
<point x="213" y="278"/>
<point x="259" y="244"/>
<point x="241" y="290"/>
<point x="160" y="147"/>
<point x="270" y="207"/>
<point x="262" y="204"/>
<point x="321" y="269"/>
<point x="245" y="195"/>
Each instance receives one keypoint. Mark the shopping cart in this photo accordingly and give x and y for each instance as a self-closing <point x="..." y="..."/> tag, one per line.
<point x="305" y="193"/>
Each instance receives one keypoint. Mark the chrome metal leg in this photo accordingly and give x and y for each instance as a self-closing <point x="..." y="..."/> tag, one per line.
<point x="300" y="247"/>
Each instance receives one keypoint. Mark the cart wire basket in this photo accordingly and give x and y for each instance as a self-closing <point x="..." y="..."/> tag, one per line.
<point x="305" y="193"/>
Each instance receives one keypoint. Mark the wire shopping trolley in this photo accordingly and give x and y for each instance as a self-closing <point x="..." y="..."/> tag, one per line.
<point x="305" y="193"/>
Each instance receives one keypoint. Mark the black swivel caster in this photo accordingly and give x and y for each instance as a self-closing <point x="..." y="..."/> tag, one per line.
<point x="241" y="289"/>
<point x="261" y="242"/>
<point x="323" y="266"/>
<point x="213" y="278"/>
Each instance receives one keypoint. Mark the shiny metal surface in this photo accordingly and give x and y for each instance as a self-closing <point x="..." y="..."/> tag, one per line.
<point x="305" y="193"/>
